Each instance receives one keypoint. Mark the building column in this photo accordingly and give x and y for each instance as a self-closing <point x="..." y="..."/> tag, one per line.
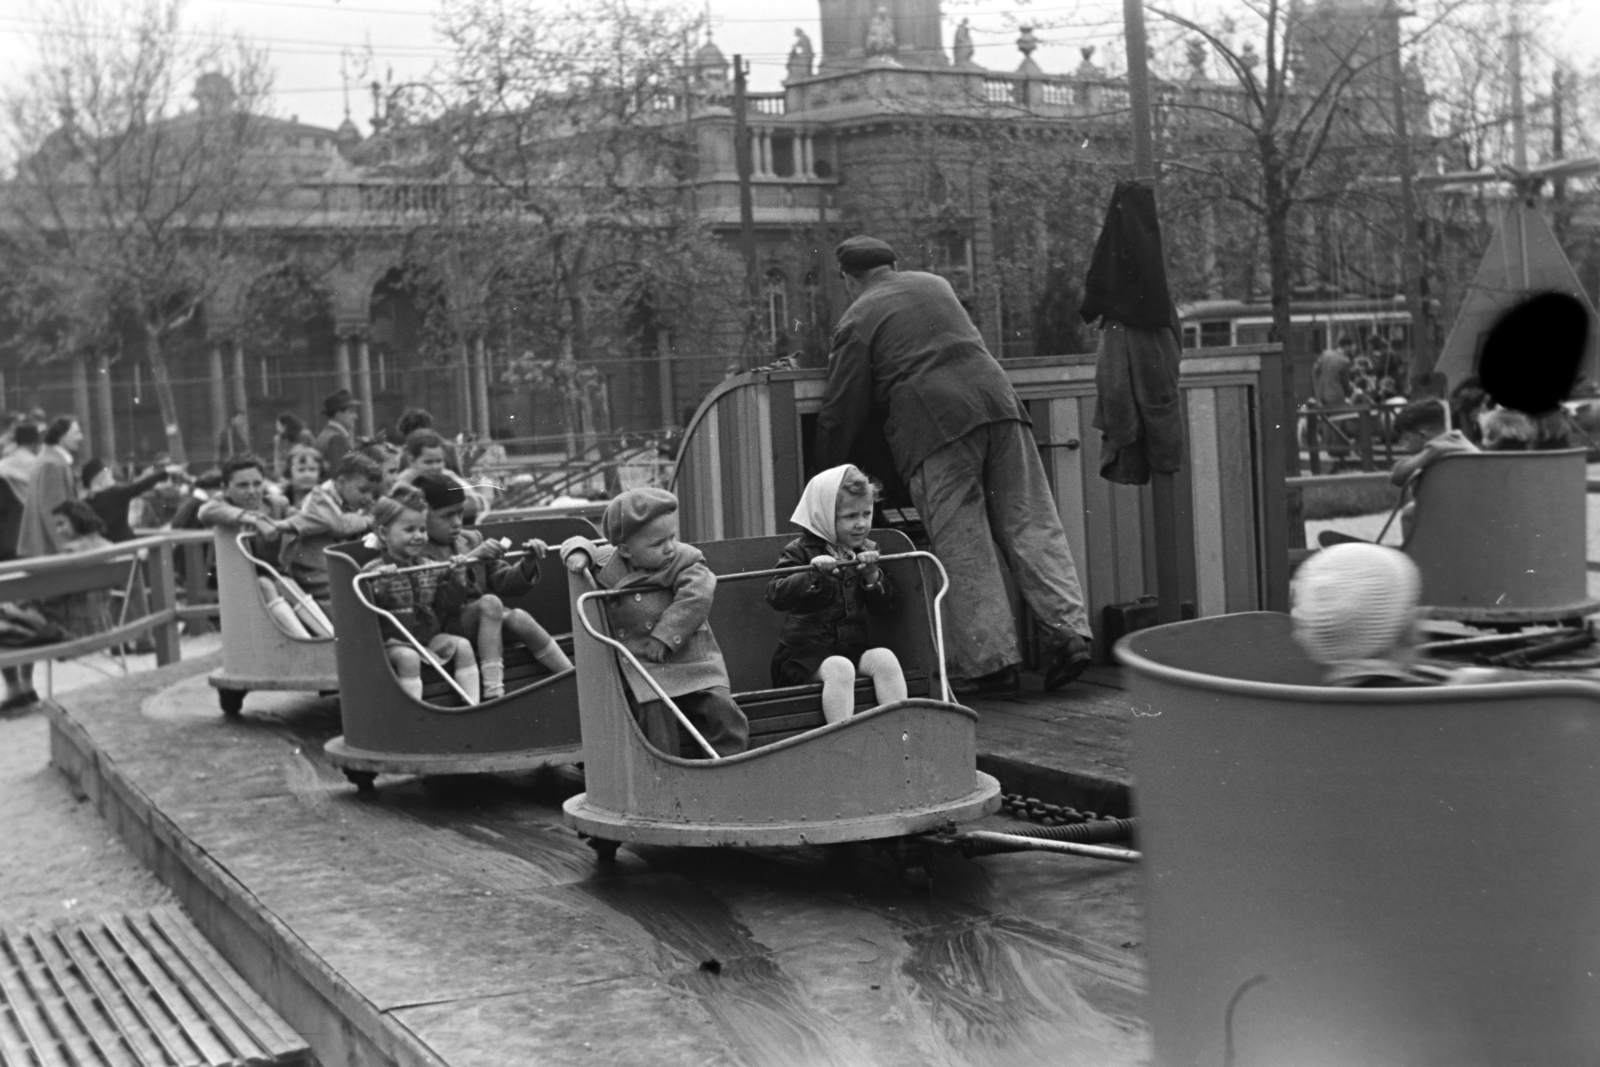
<point x="219" y="399"/>
<point x="364" y="381"/>
<point x="669" y="417"/>
<point x="481" y="382"/>
<point x="341" y="361"/>
<point x="105" y="410"/>
<point x="241" y="394"/>
<point x="763" y="165"/>
<point x="464" y="386"/>
<point x="803" y="139"/>
<point x="80" y="401"/>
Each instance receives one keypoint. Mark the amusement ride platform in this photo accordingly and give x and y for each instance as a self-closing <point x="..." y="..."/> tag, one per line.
<point x="457" y="922"/>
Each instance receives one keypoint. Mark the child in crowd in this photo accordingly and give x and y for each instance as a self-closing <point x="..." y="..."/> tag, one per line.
<point x="303" y="471"/>
<point x="664" y="621"/>
<point x="79" y="529"/>
<point x="824" y="638"/>
<point x="389" y="460"/>
<point x="334" y="511"/>
<point x="247" y="500"/>
<point x="419" y="599"/>
<point x="426" y="453"/>
<point x="484" y="577"/>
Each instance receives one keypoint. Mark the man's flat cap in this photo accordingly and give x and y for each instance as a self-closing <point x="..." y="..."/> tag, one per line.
<point x="863" y="253"/>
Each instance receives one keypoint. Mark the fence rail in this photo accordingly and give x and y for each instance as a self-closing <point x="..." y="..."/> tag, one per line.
<point x="144" y="569"/>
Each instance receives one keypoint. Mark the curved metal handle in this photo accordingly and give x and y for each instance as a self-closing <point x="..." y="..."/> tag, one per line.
<point x="427" y="657"/>
<point x="583" y="617"/>
<point x="938" y="601"/>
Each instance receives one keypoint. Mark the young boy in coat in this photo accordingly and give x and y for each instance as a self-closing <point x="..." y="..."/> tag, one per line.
<point x="483" y="578"/>
<point x="664" y="622"/>
<point x="335" y="511"/>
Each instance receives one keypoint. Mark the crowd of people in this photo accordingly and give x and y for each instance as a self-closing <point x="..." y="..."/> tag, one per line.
<point x="311" y="492"/>
<point x="1354" y="375"/>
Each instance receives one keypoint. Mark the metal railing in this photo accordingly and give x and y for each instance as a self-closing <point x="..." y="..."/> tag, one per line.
<point x="145" y="566"/>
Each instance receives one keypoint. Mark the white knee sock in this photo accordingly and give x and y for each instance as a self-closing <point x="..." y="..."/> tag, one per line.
<point x="467" y="678"/>
<point x="494" y="678"/>
<point x="412" y="687"/>
<point x="553" y="659"/>
<point x="888" y="680"/>
<point x="838" y="701"/>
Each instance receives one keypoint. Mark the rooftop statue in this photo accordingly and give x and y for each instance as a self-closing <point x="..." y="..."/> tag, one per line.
<point x="880" y="36"/>
<point x="800" y="56"/>
<point x="963" y="45"/>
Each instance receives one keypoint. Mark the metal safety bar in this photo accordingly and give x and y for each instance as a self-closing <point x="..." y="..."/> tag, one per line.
<point x="303" y="598"/>
<point x="938" y="599"/>
<point x="583" y="617"/>
<point x="421" y="649"/>
<point x="459" y="561"/>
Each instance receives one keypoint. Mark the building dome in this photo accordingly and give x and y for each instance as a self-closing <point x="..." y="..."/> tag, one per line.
<point x="709" y="55"/>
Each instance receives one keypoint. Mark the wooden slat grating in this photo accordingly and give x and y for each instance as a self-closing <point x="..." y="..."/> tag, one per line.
<point x="142" y="989"/>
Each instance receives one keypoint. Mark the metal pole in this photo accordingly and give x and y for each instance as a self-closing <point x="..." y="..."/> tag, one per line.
<point x="1144" y="159"/>
<point x="1422" y="354"/>
<point x="1519" y="115"/>
<point x="1171" y="570"/>
<point x="741" y="156"/>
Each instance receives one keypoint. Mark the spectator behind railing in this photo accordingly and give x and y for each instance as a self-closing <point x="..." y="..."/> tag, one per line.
<point x="79" y="529"/>
<point x="52" y="484"/>
<point x="110" y="501"/>
<point x="290" y="432"/>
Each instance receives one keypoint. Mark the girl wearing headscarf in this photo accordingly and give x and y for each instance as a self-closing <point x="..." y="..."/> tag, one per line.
<point x="825" y="637"/>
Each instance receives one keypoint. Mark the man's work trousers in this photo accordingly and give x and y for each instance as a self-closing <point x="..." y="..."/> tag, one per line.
<point x="985" y="491"/>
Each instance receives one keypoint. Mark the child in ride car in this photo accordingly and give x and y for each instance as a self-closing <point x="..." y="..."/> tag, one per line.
<point x="420" y="599"/>
<point x="664" y="621"/>
<point x="246" y="500"/>
<point x="483" y="578"/>
<point x="334" y="511"/>
<point x="1355" y="613"/>
<point x="824" y="638"/>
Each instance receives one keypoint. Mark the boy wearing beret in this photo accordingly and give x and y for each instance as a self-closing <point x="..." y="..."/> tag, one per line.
<point x="483" y="577"/>
<point x="664" y="623"/>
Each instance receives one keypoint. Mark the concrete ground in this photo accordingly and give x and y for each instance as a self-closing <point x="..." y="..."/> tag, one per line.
<point x="57" y="857"/>
<point x="460" y="922"/>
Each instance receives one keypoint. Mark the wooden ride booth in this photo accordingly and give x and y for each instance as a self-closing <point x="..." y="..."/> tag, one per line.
<point x="745" y="459"/>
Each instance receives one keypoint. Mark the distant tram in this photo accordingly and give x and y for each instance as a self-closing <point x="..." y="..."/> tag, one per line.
<point x="1314" y="326"/>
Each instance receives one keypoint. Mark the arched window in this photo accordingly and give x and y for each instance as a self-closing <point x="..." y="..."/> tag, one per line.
<point x="775" y="292"/>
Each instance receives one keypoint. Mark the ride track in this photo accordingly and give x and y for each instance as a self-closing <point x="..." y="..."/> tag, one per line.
<point x="465" y="925"/>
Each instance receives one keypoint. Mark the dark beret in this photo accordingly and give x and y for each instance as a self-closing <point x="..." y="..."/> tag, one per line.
<point x="440" y="492"/>
<point x="633" y="509"/>
<point x="863" y="253"/>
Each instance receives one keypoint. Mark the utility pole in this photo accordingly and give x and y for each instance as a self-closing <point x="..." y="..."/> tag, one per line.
<point x="1558" y="146"/>
<point x="1167" y="512"/>
<point x="1519" y="115"/>
<point x="1422" y="350"/>
<point x="741" y="156"/>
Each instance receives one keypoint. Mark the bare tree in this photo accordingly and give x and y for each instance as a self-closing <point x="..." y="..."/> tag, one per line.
<point x="1312" y="120"/>
<point x="127" y="198"/>
<point x="563" y="135"/>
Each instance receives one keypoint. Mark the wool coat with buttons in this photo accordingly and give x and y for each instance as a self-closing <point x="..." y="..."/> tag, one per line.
<point x="672" y="605"/>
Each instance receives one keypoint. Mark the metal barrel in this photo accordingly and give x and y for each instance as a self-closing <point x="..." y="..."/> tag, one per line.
<point x="1359" y="876"/>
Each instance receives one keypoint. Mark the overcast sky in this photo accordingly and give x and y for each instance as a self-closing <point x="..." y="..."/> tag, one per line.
<point x="309" y="40"/>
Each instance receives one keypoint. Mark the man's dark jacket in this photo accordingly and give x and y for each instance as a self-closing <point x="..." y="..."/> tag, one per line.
<point x="906" y="356"/>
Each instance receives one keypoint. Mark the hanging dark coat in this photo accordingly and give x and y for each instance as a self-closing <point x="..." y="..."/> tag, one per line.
<point x="1139" y="409"/>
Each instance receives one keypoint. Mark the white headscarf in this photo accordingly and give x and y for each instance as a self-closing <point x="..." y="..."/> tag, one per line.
<point x="819" y="504"/>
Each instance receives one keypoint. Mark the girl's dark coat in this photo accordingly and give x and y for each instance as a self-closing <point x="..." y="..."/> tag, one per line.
<point x="827" y="612"/>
